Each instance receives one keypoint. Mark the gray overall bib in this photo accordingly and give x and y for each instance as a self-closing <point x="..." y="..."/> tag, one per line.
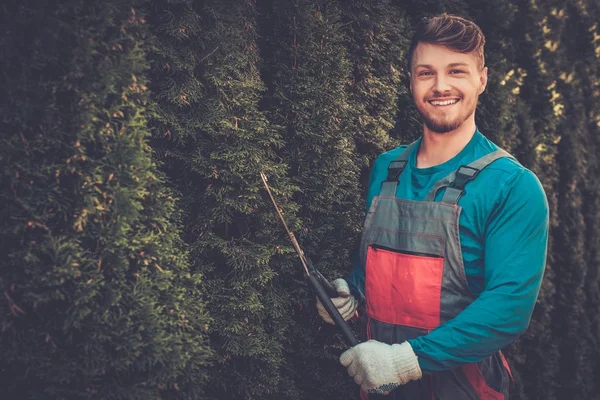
<point x="415" y="281"/>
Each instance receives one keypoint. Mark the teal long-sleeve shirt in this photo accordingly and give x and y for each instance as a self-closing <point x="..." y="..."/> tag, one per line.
<point x="503" y="230"/>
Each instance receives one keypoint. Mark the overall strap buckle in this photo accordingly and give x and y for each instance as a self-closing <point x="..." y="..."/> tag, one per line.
<point x="395" y="169"/>
<point x="455" y="182"/>
<point x="464" y="174"/>
<point x="456" y="189"/>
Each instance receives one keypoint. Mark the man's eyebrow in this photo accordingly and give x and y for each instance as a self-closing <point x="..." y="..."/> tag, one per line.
<point x="459" y="64"/>
<point x="452" y="65"/>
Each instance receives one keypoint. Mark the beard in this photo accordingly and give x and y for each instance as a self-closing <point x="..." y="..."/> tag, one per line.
<point x="441" y="125"/>
<point x="444" y="124"/>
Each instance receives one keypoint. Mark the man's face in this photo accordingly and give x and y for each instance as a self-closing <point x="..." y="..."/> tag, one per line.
<point x="445" y="86"/>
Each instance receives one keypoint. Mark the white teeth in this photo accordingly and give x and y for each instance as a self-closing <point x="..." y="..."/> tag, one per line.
<point x="443" y="103"/>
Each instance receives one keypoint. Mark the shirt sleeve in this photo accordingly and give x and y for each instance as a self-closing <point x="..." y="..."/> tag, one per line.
<point x="515" y="243"/>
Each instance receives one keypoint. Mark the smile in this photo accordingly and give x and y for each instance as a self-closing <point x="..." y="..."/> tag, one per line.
<point x="438" y="103"/>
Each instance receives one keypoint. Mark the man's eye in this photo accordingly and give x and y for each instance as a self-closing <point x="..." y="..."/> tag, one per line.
<point x="457" y="71"/>
<point x="425" y="73"/>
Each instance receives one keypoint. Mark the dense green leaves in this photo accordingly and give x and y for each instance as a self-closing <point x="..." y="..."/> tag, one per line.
<point x="214" y="141"/>
<point x="142" y="258"/>
<point x="308" y="97"/>
<point x="99" y="301"/>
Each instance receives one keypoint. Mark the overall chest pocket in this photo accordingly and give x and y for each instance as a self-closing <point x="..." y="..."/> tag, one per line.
<point x="403" y="287"/>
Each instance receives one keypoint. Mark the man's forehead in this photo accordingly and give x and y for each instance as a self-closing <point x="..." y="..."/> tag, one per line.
<point x="433" y="55"/>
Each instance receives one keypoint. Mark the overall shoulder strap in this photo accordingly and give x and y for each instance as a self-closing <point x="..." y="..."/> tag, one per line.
<point x="456" y="181"/>
<point x="395" y="168"/>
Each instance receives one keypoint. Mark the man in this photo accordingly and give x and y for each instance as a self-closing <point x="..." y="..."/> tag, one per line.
<point x="454" y="242"/>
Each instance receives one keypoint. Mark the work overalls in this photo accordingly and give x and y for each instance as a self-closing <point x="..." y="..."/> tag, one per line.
<point x="415" y="281"/>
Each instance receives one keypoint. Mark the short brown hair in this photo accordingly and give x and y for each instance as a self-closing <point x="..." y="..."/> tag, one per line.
<point x="453" y="32"/>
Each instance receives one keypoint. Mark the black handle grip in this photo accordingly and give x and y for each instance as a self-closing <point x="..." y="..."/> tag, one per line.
<point x="330" y="290"/>
<point x="332" y="310"/>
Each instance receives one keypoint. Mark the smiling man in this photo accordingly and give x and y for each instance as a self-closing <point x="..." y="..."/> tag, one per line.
<point x="454" y="243"/>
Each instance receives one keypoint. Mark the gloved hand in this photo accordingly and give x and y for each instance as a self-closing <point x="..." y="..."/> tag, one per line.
<point x="345" y="303"/>
<point x="379" y="367"/>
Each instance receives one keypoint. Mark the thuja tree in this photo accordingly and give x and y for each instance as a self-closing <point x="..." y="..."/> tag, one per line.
<point x="538" y="111"/>
<point x="376" y="35"/>
<point x="585" y="44"/>
<point x="98" y="300"/>
<point x="214" y="142"/>
<point x="175" y="46"/>
<point x="589" y="13"/>
<point x="417" y="9"/>
<point x="496" y="109"/>
<point x="308" y="96"/>
<point x="571" y="266"/>
<point x="577" y="274"/>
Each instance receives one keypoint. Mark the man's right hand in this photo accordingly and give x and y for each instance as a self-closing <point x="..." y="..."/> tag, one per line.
<point x="346" y="304"/>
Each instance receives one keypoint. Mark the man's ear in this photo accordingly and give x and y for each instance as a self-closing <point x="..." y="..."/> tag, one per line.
<point x="483" y="79"/>
<point x="409" y="83"/>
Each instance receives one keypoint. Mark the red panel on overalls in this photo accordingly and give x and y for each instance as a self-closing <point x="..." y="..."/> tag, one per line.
<point x="415" y="281"/>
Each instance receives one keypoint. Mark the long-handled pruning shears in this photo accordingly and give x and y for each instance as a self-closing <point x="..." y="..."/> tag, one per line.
<point x="320" y="285"/>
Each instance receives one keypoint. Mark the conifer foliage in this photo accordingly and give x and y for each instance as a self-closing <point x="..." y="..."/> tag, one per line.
<point x="141" y="257"/>
<point x="536" y="119"/>
<point x="308" y="96"/>
<point x="98" y="301"/>
<point x="576" y="308"/>
<point x="214" y="142"/>
<point x="376" y="37"/>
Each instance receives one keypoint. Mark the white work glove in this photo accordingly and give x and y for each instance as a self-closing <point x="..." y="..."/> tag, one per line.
<point x="345" y="303"/>
<point x="379" y="367"/>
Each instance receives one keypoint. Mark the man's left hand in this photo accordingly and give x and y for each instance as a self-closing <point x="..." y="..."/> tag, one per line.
<point x="379" y="368"/>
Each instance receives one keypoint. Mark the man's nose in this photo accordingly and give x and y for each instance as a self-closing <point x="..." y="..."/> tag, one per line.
<point x="441" y="84"/>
